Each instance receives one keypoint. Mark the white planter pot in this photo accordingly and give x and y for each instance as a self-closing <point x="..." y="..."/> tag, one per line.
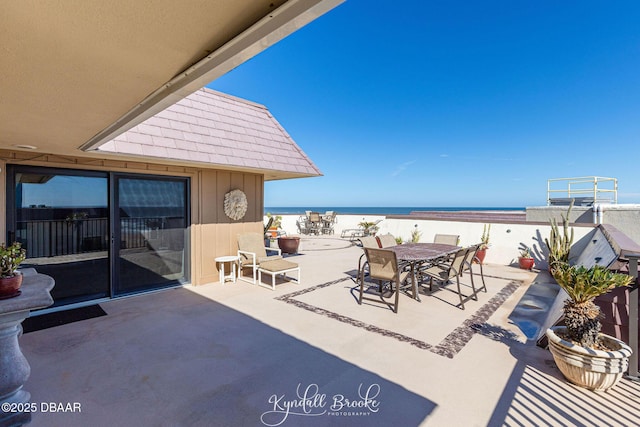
<point x="593" y="369"/>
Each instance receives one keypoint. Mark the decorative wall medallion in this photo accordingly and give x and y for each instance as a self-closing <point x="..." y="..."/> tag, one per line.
<point x="235" y="204"/>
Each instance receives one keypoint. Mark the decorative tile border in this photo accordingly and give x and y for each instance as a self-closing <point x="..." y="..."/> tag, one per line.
<point x="448" y="347"/>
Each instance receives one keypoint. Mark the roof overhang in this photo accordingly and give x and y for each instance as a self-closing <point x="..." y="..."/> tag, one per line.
<point x="76" y="77"/>
<point x="213" y="130"/>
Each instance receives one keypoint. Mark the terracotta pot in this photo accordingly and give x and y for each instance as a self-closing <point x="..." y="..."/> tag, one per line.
<point x="526" y="263"/>
<point x="585" y="367"/>
<point x="480" y="254"/>
<point x="274" y="232"/>
<point x="10" y="286"/>
<point x="289" y="245"/>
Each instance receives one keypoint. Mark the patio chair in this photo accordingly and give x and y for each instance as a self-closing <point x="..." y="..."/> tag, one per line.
<point x="448" y="271"/>
<point x="252" y="252"/>
<point x="367" y="242"/>
<point x="447" y="239"/>
<point x="328" y="220"/>
<point x="383" y="265"/>
<point x="467" y="265"/>
<point x="303" y="225"/>
<point x="315" y="223"/>
<point x="387" y="240"/>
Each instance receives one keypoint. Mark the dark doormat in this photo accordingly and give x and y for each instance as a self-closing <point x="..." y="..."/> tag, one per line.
<point x="45" y="321"/>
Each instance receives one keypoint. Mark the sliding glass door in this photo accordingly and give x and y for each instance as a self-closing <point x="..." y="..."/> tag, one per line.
<point x="150" y="219"/>
<point x="61" y="219"/>
<point x="99" y="234"/>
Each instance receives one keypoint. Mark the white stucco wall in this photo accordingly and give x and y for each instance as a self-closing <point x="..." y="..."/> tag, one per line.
<point x="505" y="239"/>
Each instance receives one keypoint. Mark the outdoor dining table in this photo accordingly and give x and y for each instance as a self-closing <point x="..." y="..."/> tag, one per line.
<point x="415" y="254"/>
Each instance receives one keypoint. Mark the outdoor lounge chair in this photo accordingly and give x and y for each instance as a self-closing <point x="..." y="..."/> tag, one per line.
<point x="252" y="252"/>
<point x="450" y="270"/>
<point x="355" y="233"/>
<point x="383" y="266"/>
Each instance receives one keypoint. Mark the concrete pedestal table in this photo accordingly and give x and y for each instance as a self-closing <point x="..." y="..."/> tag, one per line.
<point x="14" y="369"/>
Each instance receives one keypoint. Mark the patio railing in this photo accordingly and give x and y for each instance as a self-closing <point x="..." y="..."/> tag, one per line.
<point x="49" y="238"/>
<point x="584" y="191"/>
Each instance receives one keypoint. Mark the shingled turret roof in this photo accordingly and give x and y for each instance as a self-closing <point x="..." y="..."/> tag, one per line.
<point x="215" y="130"/>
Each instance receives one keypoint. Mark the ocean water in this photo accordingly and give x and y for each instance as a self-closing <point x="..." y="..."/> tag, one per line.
<point x="376" y="210"/>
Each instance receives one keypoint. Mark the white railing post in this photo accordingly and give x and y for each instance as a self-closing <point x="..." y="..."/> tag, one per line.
<point x="576" y="187"/>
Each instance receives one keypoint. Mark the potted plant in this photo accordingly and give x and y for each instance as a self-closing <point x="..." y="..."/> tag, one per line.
<point x="276" y="224"/>
<point x="525" y="260"/>
<point x="11" y="279"/>
<point x="370" y="228"/>
<point x="267" y="236"/>
<point x="484" y="244"/>
<point x="585" y="356"/>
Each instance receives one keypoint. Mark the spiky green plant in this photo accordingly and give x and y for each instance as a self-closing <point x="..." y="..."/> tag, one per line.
<point x="370" y="228"/>
<point x="415" y="235"/>
<point x="583" y="285"/>
<point x="277" y="221"/>
<point x="10" y="258"/>
<point x="559" y="245"/>
<point x="525" y="252"/>
<point x="484" y="240"/>
<point x="268" y="225"/>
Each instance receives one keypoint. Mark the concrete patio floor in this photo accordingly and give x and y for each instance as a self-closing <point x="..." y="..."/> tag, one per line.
<point x="235" y="354"/>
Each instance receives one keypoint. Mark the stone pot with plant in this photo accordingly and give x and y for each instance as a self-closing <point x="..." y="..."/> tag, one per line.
<point x="525" y="260"/>
<point x="10" y="278"/>
<point x="585" y="356"/>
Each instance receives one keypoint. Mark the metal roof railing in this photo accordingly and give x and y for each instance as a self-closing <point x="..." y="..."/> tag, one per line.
<point x="583" y="191"/>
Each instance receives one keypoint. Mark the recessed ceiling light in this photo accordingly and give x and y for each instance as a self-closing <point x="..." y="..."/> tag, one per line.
<point x="25" y="147"/>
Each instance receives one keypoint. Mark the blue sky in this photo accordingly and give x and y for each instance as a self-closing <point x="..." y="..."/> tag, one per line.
<point x="452" y="103"/>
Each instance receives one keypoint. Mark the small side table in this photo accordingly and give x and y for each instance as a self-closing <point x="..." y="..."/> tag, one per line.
<point x="233" y="260"/>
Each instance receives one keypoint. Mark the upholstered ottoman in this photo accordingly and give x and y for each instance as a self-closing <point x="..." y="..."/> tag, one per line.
<point x="275" y="267"/>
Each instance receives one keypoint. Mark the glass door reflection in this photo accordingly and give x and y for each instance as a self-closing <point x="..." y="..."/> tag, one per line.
<point x="61" y="219"/>
<point x="150" y="220"/>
